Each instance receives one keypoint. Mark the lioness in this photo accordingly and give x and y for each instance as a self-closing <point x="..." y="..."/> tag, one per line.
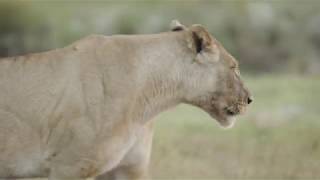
<point x="85" y="110"/>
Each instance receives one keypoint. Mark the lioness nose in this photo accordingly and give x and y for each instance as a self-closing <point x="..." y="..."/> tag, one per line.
<point x="249" y="100"/>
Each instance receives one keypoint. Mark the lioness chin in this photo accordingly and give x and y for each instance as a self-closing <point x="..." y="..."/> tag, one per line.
<point x="85" y="110"/>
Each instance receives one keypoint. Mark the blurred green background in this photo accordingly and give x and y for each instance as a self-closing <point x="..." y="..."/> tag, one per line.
<point x="277" y="44"/>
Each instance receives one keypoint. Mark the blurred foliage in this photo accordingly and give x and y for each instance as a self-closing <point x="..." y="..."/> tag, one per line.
<point x="265" y="36"/>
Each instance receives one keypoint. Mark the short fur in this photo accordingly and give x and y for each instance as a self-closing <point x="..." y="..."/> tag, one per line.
<point x="85" y="110"/>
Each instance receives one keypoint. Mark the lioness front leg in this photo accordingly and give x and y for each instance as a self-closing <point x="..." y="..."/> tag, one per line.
<point x="135" y="163"/>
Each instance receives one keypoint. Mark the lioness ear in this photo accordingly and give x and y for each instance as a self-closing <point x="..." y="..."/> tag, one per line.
<point x="175" y="25"/>
<point x="201" y="38"/>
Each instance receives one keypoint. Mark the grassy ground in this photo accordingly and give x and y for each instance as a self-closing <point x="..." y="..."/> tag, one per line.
<point x="279" y="138"/>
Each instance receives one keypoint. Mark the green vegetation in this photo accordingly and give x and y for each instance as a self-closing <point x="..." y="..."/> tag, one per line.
<point x="278" y="137"/>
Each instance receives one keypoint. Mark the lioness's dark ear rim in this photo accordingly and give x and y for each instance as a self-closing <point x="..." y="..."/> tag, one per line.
<point x="178" y="28"/>
<point x="175" y="25"/>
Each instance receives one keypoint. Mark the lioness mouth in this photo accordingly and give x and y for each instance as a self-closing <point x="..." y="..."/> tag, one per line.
<point x="231" y="111"/>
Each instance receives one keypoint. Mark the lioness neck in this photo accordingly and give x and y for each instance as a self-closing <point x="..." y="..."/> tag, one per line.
<point x="156" y="71"/>
<point x="162" y="87"/>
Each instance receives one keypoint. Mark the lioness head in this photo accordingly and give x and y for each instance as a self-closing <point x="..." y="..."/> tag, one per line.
<point x="213" y="79"/>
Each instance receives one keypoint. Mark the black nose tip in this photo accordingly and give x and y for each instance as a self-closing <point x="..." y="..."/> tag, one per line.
<point x="250" y="99"/>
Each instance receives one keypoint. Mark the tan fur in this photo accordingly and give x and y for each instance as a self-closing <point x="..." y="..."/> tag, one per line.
<point x="85" y="110"/>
